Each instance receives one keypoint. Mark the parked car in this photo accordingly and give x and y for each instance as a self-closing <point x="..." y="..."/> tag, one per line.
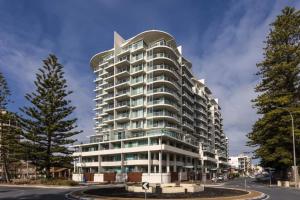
<point x="218" y="179"/>
<point x="262" y="177"/>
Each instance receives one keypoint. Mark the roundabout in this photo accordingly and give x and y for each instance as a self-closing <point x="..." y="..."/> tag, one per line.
<point x="120" y="192"/>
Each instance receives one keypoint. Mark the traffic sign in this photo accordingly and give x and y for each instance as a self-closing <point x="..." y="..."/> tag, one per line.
<point x="145" y="185"/>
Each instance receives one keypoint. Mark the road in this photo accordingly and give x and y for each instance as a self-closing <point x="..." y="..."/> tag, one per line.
<point x="274" y="192"/>
<point x="23" y="193"/>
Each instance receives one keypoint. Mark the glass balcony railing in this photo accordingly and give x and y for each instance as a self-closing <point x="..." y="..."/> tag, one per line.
<point x="123" y="103"/>
<point x="162" y="66"/>
<point x="107" y="96"/>
<point x="122" y="70"/>
<point x="119" y="82"/>
<point x="137" y="69"/>
<point x="163" y="89"/>
<point x="136" y="92"/>
<point x="122" y="115"/>
<point x="123" y="92"/>
<point x="105" y="119"/>
<point x="108" y="85"/>
<point x="108" y="107"/>
<point x="163" y="55"/>
<point x="162" y="77"/>
<point x="163" y="101"/>
<point x="163" y="113"/>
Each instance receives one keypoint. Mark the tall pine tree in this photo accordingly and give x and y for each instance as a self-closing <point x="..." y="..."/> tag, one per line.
<point x="10" y="145"/>
<point x="48" y="125"/>
<point x="278" y="87"/>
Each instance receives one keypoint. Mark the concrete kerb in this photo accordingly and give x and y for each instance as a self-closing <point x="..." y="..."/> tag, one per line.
<point x="252" y="195"/>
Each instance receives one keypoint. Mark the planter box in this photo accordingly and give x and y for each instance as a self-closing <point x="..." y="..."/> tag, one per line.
<point x="170" y="190"/>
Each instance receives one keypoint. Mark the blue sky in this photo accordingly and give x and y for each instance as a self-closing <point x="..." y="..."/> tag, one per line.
<point x="223" y="39"/>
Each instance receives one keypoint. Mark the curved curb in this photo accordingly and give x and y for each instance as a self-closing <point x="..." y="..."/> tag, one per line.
<point x="263" y="196"/>
<point x="78" y="195"/>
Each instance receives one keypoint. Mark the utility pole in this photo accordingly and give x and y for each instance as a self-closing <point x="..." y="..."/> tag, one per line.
<point x="294" y="148"/>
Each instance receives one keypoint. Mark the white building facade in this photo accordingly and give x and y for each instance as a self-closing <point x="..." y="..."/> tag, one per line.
<point x="155" y="121"/>
<point x="242" y="162"/>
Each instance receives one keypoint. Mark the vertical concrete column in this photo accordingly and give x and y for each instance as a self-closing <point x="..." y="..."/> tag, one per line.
<point x="175" y="163"/>
<point x="80" y="168"/>
<point x="149" y="162"/>
<point x="99" y="164"/>
<point x="149" y="157"/>
<point x="154" y="158"/>
<point x="168" y="162"/>
<point x="122" y="163"/>
<point x="74" y="163"/>
<point x="160" y="162"/>
<point x="160" y="155"/>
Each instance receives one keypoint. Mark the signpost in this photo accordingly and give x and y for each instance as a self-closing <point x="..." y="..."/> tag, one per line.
<point x="145" y="186"/>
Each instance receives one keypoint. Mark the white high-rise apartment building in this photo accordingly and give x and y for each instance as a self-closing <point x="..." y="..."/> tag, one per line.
<point x="155" y="121"/>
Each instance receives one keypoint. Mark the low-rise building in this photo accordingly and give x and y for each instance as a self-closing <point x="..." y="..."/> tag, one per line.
<point x="242" y="163"/>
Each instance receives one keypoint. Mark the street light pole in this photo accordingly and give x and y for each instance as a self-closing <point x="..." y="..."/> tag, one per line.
<point x="294" y="146"/>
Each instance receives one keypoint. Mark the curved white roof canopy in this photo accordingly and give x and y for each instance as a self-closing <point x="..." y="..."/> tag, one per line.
<point x="148" y="36"/>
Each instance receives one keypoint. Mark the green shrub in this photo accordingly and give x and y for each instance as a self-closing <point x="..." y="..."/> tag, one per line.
<point x="58" y="182"/>
<point x="61" y="182"/>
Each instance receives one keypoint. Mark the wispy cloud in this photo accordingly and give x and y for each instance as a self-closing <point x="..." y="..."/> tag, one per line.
<point x="20" y="61"/>
<point x="230" y="50"/>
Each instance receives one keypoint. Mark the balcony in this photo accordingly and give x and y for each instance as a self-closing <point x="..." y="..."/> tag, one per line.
<point x="164" y="80"/>
<point x="163" y="68"/>
<point x="188" y="79"/>
<point x="163" y="90"/>
<point x="108" y="86"/>
<point x="138" y="81"/>
<point x="123" y="72"/>
<point x="108" y="108"/>
<point x="123" y="93"/>
<point x="108" y="119"/>
<point x="122" y="117"/>
<point x="188" y="106"/>
<point x="123" y="61"/>
<point x="98" y="79"/>
<point x="137" y="70"/>
<point x="135" y="93"/>
<point x="108" y="66"/>
<point x="137" y="59"/>
<point x="188" y="116"/>
<point x="163" y="44"/>
<point x="188" y="97"/>
<point x="122" y="105"/>
<point x="164" y="114"/>
<point x="108" y="76"/>
<point x="122" y="83"/>
<point x="188" y="126"/>
<point x="108" y="97"/>
<point x="164" y="56"/>
<point x="164" y="102"/>
<point x="201" y="126"/>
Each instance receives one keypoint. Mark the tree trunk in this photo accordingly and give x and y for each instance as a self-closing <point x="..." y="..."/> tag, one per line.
<point x="6" y="173"/>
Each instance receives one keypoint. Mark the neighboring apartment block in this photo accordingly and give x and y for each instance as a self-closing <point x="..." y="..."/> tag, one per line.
<point x="242" y="163"/>
<point x="155" y="121"/>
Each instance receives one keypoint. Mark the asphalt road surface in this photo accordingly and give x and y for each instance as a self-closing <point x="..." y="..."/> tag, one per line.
<point x="274" y="192"/>
<point x="23" y="193"/>
<point x="18" y="193"/>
